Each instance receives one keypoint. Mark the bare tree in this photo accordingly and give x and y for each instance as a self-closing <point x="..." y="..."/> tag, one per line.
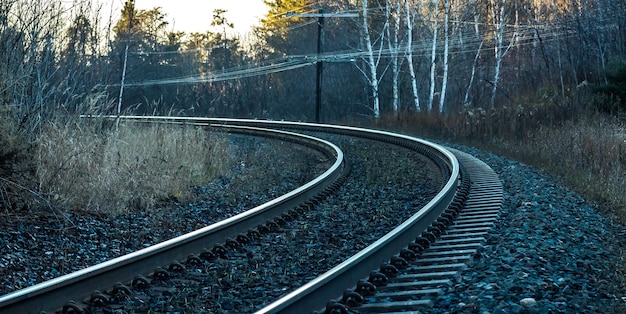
<point x="466" y="102"/>
<point x="473" y="13"/>
<point x="446" y="47"/>
<point x="372" y="58"/>
<point x="433" y="53"/>
<point x="393" y="42"/>
<point x="499" y="21"/>
<point x="409" y="55"/>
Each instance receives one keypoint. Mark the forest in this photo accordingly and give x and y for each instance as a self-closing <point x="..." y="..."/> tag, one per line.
<point x="503" y="73"/>
<point x="365" y="58"/>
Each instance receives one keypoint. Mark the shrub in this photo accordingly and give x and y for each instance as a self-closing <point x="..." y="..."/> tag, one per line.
<point x="614" y="90"/>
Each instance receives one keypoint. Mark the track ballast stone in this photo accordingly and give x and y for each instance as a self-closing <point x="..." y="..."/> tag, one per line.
<point x="550" y="252"/>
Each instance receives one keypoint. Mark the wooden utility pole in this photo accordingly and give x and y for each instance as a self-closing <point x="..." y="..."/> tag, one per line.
<point x="320" y="40"/>
<point x="320" y="66"/>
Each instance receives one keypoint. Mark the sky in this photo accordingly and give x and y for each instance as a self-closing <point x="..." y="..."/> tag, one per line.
<point x="196" y="15"/>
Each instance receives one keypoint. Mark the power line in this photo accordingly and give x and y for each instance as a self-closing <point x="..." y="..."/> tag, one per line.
<point x="300" y="61"/>
<point x="227" y="75"/>
<point x="320" y="15"/>
<point x="459" y="45"/>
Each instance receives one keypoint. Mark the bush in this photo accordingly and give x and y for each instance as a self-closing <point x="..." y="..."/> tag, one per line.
<point x="614" y="90"/>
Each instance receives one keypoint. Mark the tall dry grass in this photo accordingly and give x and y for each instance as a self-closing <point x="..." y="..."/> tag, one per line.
<point x="87" y="166"/>
<point x="589" y="155"/>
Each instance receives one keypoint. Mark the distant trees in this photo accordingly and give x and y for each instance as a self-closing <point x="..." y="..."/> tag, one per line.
<point x="526" y="40"/>
<point x="183" y="60"/>
<point x="453" y="54"/>
<point x="143" y="49"/>
<point x="395" y="56"/>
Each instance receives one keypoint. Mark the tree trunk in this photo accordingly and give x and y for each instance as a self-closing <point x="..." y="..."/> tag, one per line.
<point x="444" y="83"/>
<point x="409" y="56"/>
<point x="473" y="75"/>
<point x="394" y="50"/>
<point x="499" y="50"/>
<point x="371" y="63"/>
<point x="433" y="55"/>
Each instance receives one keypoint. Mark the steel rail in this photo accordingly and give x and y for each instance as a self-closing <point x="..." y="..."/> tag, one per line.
<point x="436" y="153"/>
<point x="54" y="293"/>
<point x="436" y="264"/>
<point x="345" y="275"/>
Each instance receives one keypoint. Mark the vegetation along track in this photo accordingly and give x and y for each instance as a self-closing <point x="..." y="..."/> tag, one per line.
<point x="416" y="225"/>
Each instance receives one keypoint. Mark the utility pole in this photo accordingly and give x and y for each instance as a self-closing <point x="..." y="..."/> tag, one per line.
<point x="320" y="66"/>
<point x="320" y="41"/>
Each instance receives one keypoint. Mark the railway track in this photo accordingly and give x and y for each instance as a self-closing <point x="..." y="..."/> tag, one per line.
<point x="422" y="270"/>
<point x="392" y="250"/>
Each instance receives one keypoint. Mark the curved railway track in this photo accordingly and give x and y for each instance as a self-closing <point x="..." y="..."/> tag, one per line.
<point x="467" y="202"/>
<point x="410" y="279"/>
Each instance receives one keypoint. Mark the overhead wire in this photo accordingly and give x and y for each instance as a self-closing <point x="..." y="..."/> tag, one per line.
<point x="280" y="30"/>
<point x="227" y="75"/>
<point x="264" y="68"/>
<point x="167" y="52"/>
<point x="297" y="9"/>
<point x="424" y="47"/>
<point x="459" y="44"/>
<point x="299" y="61"/>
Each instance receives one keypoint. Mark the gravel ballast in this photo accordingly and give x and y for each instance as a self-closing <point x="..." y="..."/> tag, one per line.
<point x="363" y="209"/>
<point x="550" y="252"/>
<point x="41" y="244"/>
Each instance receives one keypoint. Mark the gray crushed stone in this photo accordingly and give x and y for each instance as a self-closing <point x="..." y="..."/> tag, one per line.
<point x="550" y="252"/>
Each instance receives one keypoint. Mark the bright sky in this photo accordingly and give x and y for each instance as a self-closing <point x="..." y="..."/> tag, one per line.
<point x="196" y="15"/>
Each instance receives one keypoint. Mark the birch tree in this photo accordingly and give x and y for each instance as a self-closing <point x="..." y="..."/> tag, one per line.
<point x="499" y="19"/>
<point x="446" y="45"/>
<point x="409" y="55"/>
<point x="475" y="13"/>
<point x="433" y="54"/>
<point x="466" y="102"/>
<point x="394" y="50"/>
<point x="372" y="62"/>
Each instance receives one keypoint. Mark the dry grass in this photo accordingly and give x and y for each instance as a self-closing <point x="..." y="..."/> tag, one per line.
<point x="89" y="167"/>
<point x="590" y="155"/>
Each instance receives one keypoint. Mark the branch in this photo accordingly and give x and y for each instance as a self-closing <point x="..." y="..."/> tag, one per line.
<point x="39" y="196"/>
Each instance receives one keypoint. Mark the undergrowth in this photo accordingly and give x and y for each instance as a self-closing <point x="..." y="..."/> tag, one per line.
<point x="17" y="191"/>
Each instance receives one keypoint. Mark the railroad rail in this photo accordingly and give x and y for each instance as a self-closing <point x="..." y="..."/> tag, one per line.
<point x="391" y="251"/>
<point x="79" y="285"/>
<point x="410" y="279"/>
